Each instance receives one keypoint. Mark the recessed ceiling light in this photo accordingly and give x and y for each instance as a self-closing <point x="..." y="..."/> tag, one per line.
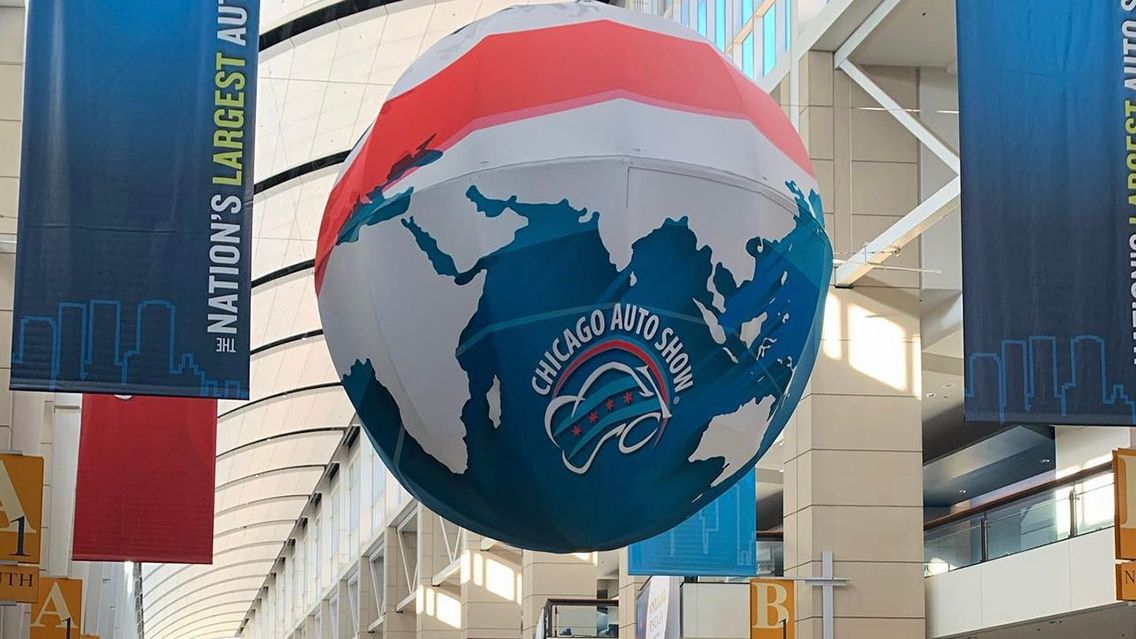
<point x="962" y="492"/>
<point x="1046" y="460"/>
<point x="930" y="395"/>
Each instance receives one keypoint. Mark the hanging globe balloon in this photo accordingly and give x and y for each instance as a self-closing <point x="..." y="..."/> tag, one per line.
<point x="573" y="277"/>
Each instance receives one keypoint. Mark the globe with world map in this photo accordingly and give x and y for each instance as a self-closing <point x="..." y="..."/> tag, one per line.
<point x="573" y="298"/>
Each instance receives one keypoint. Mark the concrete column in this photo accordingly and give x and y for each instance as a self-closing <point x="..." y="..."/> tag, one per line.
<point x="853" y="475"/>
<point x="343" y="618"/>
<point x="11" y="115"/>
<point x="547" y="576"/>
<point x="490" y="591"/>
<point x="853" y="449"/>
<point x="59" y="514"/>
<point x="29" y="413"/>
<point x="396" y="624"/>
<point x="629" y="587"/>
<point x="324" y="626"/>
<point x="13" y="619"/>
<point x="439" y="607"/>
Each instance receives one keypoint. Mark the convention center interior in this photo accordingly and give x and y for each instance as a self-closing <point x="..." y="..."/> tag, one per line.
<point x="568" y="319"/>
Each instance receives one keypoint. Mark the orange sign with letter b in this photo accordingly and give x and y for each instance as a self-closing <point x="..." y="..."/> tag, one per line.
<point x="772" y="609"/>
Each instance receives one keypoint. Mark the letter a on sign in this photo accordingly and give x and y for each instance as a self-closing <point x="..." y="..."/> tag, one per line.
<point x="21" y="507"/>
<point x="772" y="609"/>
<point x="58" y="611"/>
<point x="1124" y="486"/>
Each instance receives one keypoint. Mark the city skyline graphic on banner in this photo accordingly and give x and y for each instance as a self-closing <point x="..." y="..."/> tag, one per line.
<point x="89" y="342"/>
<point x="1035" y="376"/>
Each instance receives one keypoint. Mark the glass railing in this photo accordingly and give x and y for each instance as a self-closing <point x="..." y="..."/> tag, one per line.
<point x="770" y="555"/>
<point x="1057" y="511"/>
<point x="589" y="618"/>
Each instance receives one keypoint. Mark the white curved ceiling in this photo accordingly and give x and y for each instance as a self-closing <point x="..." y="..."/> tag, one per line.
<point x="286" y="221"/>
<point x="317" y="94"/>
<point x="284" y="307"/>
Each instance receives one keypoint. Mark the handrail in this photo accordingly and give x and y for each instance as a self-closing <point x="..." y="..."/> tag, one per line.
<point x="549" y="604"/>
<point x="1050" y="485"/>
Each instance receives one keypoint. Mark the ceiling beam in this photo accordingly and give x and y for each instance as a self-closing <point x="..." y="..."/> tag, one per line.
<point x="897" y="236"/>
<point x="943" y="151"/>
<point x="878" y="15"/>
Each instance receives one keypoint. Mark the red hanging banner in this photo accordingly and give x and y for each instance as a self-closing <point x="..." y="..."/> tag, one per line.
<point x="146" y="479"/>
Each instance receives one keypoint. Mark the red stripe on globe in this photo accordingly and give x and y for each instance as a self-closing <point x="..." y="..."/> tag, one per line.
<point x="573" y="276"/>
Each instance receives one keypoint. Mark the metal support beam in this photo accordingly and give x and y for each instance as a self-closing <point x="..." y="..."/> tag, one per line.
<point x="909" y="122"/>
<point x="863" y="31"/>
<point x="897" y="236"/>
<point x="446" y="573"/>
<point x="407" y="601"/>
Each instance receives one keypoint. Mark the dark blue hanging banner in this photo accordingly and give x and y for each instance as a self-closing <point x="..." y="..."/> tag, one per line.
<point x="719" y="540"/>
<point x="132" y="267"/>
<point x="1048" y="128"/>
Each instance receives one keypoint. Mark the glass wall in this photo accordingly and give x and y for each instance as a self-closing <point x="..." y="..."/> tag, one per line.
<point x="756" y="34"/>
<point x="345" y="528"/>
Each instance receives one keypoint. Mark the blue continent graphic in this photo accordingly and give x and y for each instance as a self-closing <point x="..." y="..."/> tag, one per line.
<point x="378" y="207"/>
<point x="555" y="270"/>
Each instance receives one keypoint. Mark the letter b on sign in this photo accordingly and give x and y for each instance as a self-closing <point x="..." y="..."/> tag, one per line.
<point x="772" y="609"/>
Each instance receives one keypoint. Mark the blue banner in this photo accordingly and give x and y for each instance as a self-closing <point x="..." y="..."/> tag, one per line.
<point x="718" y="541"/>
<point x="1048" y="130"/>
<point x="132" y="267"/>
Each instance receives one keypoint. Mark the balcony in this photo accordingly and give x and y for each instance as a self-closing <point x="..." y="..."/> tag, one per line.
<point x="587" y="618"/>
<point x="1056" y="511"/>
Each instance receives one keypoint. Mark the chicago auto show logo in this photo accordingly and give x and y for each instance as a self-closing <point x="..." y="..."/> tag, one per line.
<point x="611" y="376"/>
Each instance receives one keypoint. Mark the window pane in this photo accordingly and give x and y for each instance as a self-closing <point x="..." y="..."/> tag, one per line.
<point x="702" y="17"/>
<point x="720" y="24"/>
<point x="788" y="24"/>
<point x="747" y="44"/>
<point x="353" y="499"/>
<point x="769" y="40"/>
<point x="378" y="493"/>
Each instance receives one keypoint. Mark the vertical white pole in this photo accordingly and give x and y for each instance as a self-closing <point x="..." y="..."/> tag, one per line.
<point x="64" y="467"/>
<point x="826" y="594"/>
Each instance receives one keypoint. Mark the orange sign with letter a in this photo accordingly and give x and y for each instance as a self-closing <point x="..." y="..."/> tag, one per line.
<point x="21" y="507"/>
<point x="57" y="613"/>
<point x="772" y="609"/>
<point x="1124" y="487"/>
